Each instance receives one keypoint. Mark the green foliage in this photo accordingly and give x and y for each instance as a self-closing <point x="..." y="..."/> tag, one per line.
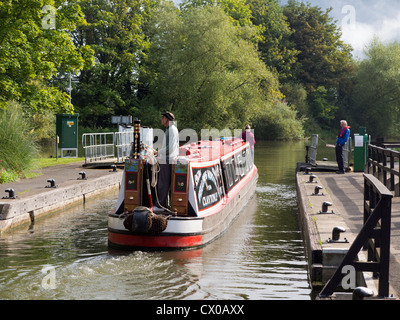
<point x="18" y="148"/>
<point x="296" y="97"/>
<point x="275" y="48"/>
<point x="43" y="125"/>
<point x="115" y="30"/>
<point x="376" y="96"/>
<point x="322" y="105"/>
<point x="238" y="11"/>
<point x="323" y="66"/>
<point x="208" y="71"/>
<point x="323" y="59"/>
<point x="7" y="175"/>
<point x="213" y="63"/>
<point x="30" y="55"/>
<point x="278" y="123"/>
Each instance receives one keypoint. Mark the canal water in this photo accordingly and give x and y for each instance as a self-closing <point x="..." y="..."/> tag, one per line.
<point x="261" y="256"/>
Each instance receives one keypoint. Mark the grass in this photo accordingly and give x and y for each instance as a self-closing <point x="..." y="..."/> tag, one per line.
<point x="17" y="144"/>
<point x="20" y="155"/>
<point x="49" y="162"/>
<point x="18" y="147"/>
<point x="39" y="163"/>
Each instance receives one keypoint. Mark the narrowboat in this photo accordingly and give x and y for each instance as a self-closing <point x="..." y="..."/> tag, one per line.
<point x="211" y="183"/>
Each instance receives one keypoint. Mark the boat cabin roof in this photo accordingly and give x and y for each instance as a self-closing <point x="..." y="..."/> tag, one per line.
<point x="205" y="150"/>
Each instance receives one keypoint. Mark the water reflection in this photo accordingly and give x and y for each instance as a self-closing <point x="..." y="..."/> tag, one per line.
<point x="260" y="257"/>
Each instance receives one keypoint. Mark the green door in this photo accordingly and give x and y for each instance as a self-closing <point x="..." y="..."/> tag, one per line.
<point x="67" y="130"/>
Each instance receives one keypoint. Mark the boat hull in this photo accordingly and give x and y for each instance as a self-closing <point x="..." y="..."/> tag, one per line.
<point x="186" y="232"/>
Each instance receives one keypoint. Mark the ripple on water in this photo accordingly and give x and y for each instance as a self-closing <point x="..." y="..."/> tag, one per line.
<point x="261" y="256"/>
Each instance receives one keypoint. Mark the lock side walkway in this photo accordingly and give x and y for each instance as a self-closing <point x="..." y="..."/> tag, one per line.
<point x="34" y="197"/>
<point x="345" y="193"/>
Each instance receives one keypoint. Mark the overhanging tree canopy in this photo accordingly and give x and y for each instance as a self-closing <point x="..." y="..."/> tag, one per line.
<point x="31" y="53"/>
<point x="208" y="71"/>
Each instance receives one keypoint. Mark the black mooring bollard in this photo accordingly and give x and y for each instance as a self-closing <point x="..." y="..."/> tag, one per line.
<point x="83" y="175"/>
<point x="11" y="193"/>
<point x="52" y="183"/>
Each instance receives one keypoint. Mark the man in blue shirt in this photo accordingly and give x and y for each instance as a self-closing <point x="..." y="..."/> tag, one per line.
<point x="341" y="140"/>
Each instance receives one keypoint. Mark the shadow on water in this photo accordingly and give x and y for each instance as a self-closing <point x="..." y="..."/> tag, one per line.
<point x="261" y="256"/>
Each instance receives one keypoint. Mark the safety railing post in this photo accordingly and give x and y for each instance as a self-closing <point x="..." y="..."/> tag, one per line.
<point x="373" y="235"/>
<point x="387" y="171"/>
<point x="98" y="146"/>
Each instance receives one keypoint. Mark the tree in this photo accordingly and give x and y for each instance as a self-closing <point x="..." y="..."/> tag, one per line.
<point x="323" y="58"/>
<point x="238" y="10"/>
<point x="322" y="105"/>
<point x="32" y="52"/>
<point x="279" y="122"/>
<point x="324" y="64"/>
<point x="276" y="50"/>
<point x="376" y="96"/>
<point x="208" y="70"/>
<point x="296" y="97"/>
<point x="115" y="31"/>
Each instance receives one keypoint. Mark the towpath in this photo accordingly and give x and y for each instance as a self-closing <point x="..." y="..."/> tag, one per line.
<point x="64" y="174"/>
<point x="347" y="194"/>
<point x="35" y="198"/>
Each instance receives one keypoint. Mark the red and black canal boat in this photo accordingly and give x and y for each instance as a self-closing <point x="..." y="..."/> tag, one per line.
<point x="212" y="181"/>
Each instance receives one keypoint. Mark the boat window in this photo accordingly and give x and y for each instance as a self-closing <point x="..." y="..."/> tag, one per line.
<point x="248" y="162"/>
<point x="244" y="162"/>
<point x="248" y="159"/>
<point x="207" y="188"/>
<point x="244" y="165"/>
<point x="236" y="167"/>
<point x="235" y="170"/>
<point x="229" y="174"/>
<point x="240" y="163"/>
<point x="219" y="179"/>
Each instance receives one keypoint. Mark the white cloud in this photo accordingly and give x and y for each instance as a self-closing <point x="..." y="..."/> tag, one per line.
<point x="358" y="36"/>
<point x="390" y="29"/>
<point x="372" y="17"/>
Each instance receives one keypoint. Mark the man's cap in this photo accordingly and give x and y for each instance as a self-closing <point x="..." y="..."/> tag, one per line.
<point x="169" y="116"/>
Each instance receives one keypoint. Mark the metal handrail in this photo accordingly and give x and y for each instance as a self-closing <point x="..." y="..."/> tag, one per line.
<point x="373" y="235"/>
<point x="123" y="142"/>
<point x="98" y="146"/>
<point x="381" y="164"/>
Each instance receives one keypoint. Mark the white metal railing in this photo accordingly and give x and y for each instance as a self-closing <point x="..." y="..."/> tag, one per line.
<point x="98" y="146"/>
<point x="123" y="142"/>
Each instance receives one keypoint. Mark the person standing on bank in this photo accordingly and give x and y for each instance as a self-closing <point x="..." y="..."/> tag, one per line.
<point x="341" y="140"/>
<point x="166" y="157"/>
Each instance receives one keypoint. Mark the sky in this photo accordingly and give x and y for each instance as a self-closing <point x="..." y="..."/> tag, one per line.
<point x="361" y="20"/>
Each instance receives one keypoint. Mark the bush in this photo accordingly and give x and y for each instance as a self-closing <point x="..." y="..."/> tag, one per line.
<point x="7" y="176"/>
<point x="278" y="122"/>
<point x="18" y="148"/>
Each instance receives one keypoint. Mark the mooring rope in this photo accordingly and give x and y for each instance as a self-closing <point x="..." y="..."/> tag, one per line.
<point x="155" y="169"/>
